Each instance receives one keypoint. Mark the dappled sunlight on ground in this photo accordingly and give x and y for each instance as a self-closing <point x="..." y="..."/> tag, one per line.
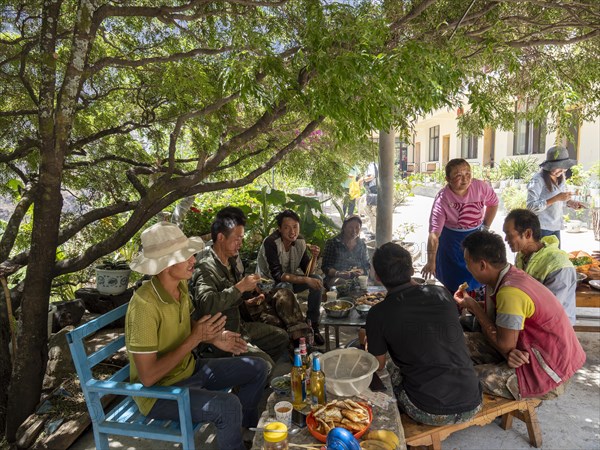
<point x="588" y="375"/>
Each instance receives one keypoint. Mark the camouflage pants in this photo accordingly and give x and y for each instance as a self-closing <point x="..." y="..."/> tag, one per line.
<point x="417" y="414"/>
<point x="491" y="367"/>
<point x="493" y="371"/>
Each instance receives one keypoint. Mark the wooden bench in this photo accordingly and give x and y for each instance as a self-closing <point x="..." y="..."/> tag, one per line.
<point x="125" y="419"/>
<point x="417" y="434"/>
<point x="587" y="297"/>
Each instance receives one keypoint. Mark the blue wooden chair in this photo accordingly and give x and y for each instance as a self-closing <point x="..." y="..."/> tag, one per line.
<point x="124" y="418"/>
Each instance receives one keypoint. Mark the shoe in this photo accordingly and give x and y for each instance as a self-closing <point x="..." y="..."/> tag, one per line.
<point x="318" y="337"/>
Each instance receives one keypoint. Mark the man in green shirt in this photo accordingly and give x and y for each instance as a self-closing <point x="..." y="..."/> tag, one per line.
<point x="220" y="286"/>
<point x="160" y="337"/>
<point x="541" y="257"/>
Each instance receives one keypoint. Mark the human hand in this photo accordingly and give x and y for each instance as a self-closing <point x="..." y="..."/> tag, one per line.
<point x="314" y="283"/>
<point x="343" y="274"/>
<point x="428" y="270"/>
<point x="516" y="358"/>
<point x="230" y="342"/>
<point x="248" y="283"/>
<point x="208" y="327"/>
<point x="563" y="197"/>
<point x="576" y="205"/>
<point x="314" y="250"/>
<point x="356" y="272"/>
<point x="462" y="299"/>
<point x="255" y="301"/>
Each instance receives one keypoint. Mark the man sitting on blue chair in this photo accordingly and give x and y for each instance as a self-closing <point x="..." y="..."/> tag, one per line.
<point x="160" y="337"/>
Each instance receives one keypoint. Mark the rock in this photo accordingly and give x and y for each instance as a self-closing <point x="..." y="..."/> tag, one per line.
<point x="95" y="302"/>
<point x="60" y="365"/>
<point x="67" y="313"/>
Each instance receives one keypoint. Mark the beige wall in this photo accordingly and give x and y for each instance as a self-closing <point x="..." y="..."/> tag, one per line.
<point x="589" y="140"/>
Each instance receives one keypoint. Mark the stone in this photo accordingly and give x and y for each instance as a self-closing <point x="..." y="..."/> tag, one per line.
<point x="67" y="313"/>
<point x="60" y="365"/>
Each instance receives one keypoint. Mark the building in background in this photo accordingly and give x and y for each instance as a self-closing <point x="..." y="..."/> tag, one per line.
<point x="436" y="140"/>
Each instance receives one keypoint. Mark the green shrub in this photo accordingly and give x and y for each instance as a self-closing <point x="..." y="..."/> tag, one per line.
<point x="519" y="168"/>
<point x="579" y="176"/>
<point x="514" y="197"/>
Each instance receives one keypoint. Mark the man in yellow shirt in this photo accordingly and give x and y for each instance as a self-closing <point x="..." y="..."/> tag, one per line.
<point x="160" y="337"/>
<point x="527" y="347"/>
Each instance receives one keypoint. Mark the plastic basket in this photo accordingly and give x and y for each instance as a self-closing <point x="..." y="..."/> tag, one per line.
<point x="348" y="371"/>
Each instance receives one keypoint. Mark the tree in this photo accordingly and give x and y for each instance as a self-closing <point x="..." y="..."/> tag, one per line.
<point x="127" y="106"/>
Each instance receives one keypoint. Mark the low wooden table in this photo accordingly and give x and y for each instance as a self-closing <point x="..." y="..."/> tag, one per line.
<point x="353" y="320"/>
<point x="587" y="297"/>
<point x="383" y="418"/>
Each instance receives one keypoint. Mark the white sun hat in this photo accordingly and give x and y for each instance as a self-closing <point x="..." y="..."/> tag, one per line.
<point x="163" y="245"/>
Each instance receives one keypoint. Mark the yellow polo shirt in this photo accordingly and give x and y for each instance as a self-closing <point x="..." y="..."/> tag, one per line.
<point x="157" y="323"/>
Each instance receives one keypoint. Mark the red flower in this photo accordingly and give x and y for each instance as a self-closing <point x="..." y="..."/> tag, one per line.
<point x="194" y="209"/>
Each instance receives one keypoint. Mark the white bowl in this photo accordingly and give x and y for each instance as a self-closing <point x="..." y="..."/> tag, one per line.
<point x="348" y="371"/>
<point x="581" y="277"/>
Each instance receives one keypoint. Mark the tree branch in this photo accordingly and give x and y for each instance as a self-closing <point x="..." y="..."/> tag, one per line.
<point x="124" y="128"/>
<point x="557" y="42"/>
<point x="415" y="12"/>
<point x="120" y="62"/>
<point x="25" y="147"/>
<point x="11" y="231"/>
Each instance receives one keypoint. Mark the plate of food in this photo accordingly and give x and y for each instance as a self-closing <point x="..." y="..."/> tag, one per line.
<point x="355" y="417"/>
<point x="371" y="299"/>
<point x="282" y="385"/>
<point x="595" y="284"/>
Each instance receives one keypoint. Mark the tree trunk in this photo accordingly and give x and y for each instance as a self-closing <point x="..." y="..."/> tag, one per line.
<point x="385" y="196"/>
<point x="30" y="362"/>
<point x="5" y="363"/>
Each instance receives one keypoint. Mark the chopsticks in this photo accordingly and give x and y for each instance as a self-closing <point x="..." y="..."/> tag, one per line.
<point x="308" y="268"/>
<point x="312" y="446"/>
<point x="311" y="265"/>
<point x="264" y="280"/>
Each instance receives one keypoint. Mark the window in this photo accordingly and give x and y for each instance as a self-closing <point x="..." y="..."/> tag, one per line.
<point x="434" y="143"/>
<point x="468" y="146"/>
<point x="530" y="137"/>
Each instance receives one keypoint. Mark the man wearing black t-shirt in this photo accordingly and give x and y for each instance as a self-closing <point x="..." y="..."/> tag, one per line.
<point x="418" y="326"/>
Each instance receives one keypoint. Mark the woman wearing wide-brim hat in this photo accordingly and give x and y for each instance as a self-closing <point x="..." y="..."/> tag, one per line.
<point x="546" y="192"/>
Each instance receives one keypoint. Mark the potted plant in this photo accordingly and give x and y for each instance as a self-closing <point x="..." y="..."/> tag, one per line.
<point x="112" y="276"/>
<point x="520" y="170"/>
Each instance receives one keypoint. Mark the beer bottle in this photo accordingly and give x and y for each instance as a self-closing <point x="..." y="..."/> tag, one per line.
<point x="298" y="382"/>
<point x="305" y="364"/>
<point x="317" y="382"/>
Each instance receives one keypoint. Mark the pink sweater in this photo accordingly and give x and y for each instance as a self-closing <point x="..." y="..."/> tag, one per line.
<point x="461" y="213"/>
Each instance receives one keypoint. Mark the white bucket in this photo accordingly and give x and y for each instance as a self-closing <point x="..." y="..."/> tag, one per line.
<point x="573" y="226"/>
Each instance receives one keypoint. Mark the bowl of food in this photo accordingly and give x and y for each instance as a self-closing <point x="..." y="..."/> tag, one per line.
<point x="338" y="308"/>
<point x="363" y="310"/>
<point x="281" y="385"/>
<point x="581" y="277"/>
<point x="419" y="280"/>
<point x="355" y="417"/>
